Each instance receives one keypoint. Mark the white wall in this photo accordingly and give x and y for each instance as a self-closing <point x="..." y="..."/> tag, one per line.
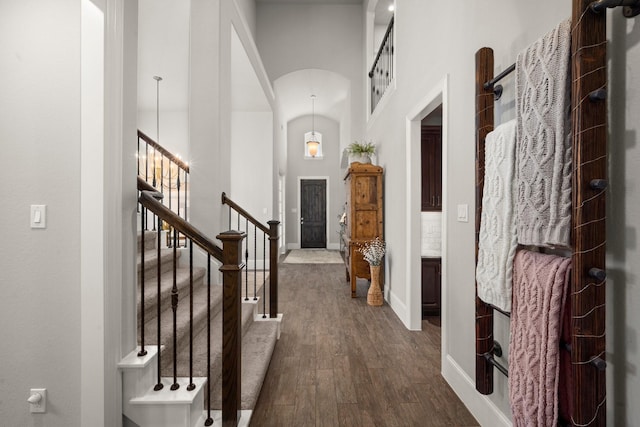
<point x="623" y="214"/>
<point x="251" y="173"/>
<point x="293" y="37"/>
<point x="174" y="129"/>
<point x="298" y="166"/>
<point x="163" y="43"/>
<point x="40" y="280"/>
<point x="457" y="34"/>
<point x="211" y="101"/>
<point x="252" y="163"/>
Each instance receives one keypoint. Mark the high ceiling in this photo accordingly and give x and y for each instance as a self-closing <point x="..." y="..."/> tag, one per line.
<point x="312" y="1"/>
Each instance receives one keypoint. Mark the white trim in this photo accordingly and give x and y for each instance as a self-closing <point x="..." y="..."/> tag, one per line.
<point x="386" y="96"/>
<point x="327" y="186"/>
<point x="333" y="246"/>
<point x="481" y="407"/>
<point x="438" y="95"/>
<point x="399" y="308"/>
<point x="292" y="246"/>
<point x="92" y="220"/>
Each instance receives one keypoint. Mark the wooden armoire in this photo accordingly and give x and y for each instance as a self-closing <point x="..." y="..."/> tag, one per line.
<point x="364" y="217"/>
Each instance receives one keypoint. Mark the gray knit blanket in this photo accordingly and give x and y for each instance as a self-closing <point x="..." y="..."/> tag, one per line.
<point x="543" y="83"/>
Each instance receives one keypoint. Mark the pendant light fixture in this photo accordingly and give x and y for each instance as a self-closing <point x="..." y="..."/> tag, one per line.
<point x="313" y="143"/>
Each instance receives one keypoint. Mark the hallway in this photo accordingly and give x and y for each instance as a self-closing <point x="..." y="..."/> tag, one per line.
<point x="340" y="362"/>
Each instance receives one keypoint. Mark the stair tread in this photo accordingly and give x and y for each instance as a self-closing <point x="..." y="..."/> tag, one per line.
<point x="257" y="348"/>
<point x="199" y="317"/>
<point x="151" y="258"/>
<point x="200" y="351"/>
<point x="166" y="284"/>
<point x="168" y="396"/>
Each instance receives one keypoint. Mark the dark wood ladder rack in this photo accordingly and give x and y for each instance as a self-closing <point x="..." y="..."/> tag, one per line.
<point x="588" y="236"/>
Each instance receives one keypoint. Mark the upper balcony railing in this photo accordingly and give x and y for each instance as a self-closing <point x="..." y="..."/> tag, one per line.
<point x="382" y="72"/>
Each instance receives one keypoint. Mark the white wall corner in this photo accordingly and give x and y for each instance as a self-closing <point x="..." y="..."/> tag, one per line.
<point x="480" y="406"/>
<point x="399" y="308"/>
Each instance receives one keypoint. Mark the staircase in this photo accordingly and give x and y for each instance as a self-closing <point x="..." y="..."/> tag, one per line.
<point x="203" y="348"/>
<point x="147" y="407"/>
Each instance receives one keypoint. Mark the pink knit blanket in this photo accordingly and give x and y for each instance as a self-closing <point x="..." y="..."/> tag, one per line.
<point x="540" y="284"/>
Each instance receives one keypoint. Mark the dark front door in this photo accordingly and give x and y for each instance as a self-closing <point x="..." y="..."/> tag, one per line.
<point x="313" y="213"/>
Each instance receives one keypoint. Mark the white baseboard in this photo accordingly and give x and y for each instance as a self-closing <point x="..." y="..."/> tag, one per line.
<point x="480" y="406"/>
<point x="398" y="307"/>
<point x="291" y="246"/>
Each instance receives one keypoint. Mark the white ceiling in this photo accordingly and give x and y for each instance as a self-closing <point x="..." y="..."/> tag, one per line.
<point x="312" y="1"/>
<point x="164" y="32"/>
<point x="294" y="91"/>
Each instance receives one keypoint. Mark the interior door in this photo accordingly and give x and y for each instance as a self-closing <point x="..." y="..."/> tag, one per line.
<point x="313" y="213"/>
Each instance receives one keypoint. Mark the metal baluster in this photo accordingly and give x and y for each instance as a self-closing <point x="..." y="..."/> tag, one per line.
<point x="264" y="276"/>
<point x="246" y="263"/>
<point x="229" y="217"/>
<point x="146" y="162"/>
<point x="238" y="221"/>
<point x="153" y="183"/>
<point x="170" y="188"/>
<point x="159" y="384"/>
<point x="169" y="240"/>
<point x="138" y="155"/>
<point x="153" y="168"/>
<point x="162" y="176"/>
<point x="174" y="308"/>
<point x="146" y="179"/>
<point x="392" y="52"/>
<point x="178" y="202"/>
<point x="209" y="420"/>
<point x="186" y="182"/>
<point x="142" y="351"/>
<point x="138" y="166"/>
<point x="191" y="385"/>
<point x="255" y="261"/>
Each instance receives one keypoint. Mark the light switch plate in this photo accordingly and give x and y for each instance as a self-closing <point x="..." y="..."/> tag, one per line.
<point x="40" y="406"/>
<point x="463" y="213"/>
<point x="38" y="216"/>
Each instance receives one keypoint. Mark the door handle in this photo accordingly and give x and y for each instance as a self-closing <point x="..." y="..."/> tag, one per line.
<point x="301" y="220"/>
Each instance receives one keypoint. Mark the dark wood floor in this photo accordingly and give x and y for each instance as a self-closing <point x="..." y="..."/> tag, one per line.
<point x="340" y="362"/>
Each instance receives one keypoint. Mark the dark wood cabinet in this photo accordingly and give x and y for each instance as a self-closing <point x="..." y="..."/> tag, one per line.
<point x="431" y="157"/>
<point x="431" y="284"/>
<point x="364" y="217"/>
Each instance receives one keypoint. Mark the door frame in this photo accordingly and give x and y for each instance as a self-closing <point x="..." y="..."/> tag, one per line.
<point x="438" y="95"/>
<point x="299" y="212"/>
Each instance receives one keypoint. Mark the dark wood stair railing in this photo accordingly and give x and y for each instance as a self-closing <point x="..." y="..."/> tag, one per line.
<point x="230" y="256"/>
<point x="270" y="232"/>
<point x="164" y="172"/>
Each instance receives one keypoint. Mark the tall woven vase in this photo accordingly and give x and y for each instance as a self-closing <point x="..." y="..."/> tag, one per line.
<point x="374" y="296"/>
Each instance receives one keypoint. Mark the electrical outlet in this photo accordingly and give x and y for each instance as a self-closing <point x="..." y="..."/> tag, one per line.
<point x="37" y="400"/>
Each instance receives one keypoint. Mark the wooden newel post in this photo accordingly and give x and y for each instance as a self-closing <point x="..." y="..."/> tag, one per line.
<point x="273" y="268"/>
<point x="231" y="325"/>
